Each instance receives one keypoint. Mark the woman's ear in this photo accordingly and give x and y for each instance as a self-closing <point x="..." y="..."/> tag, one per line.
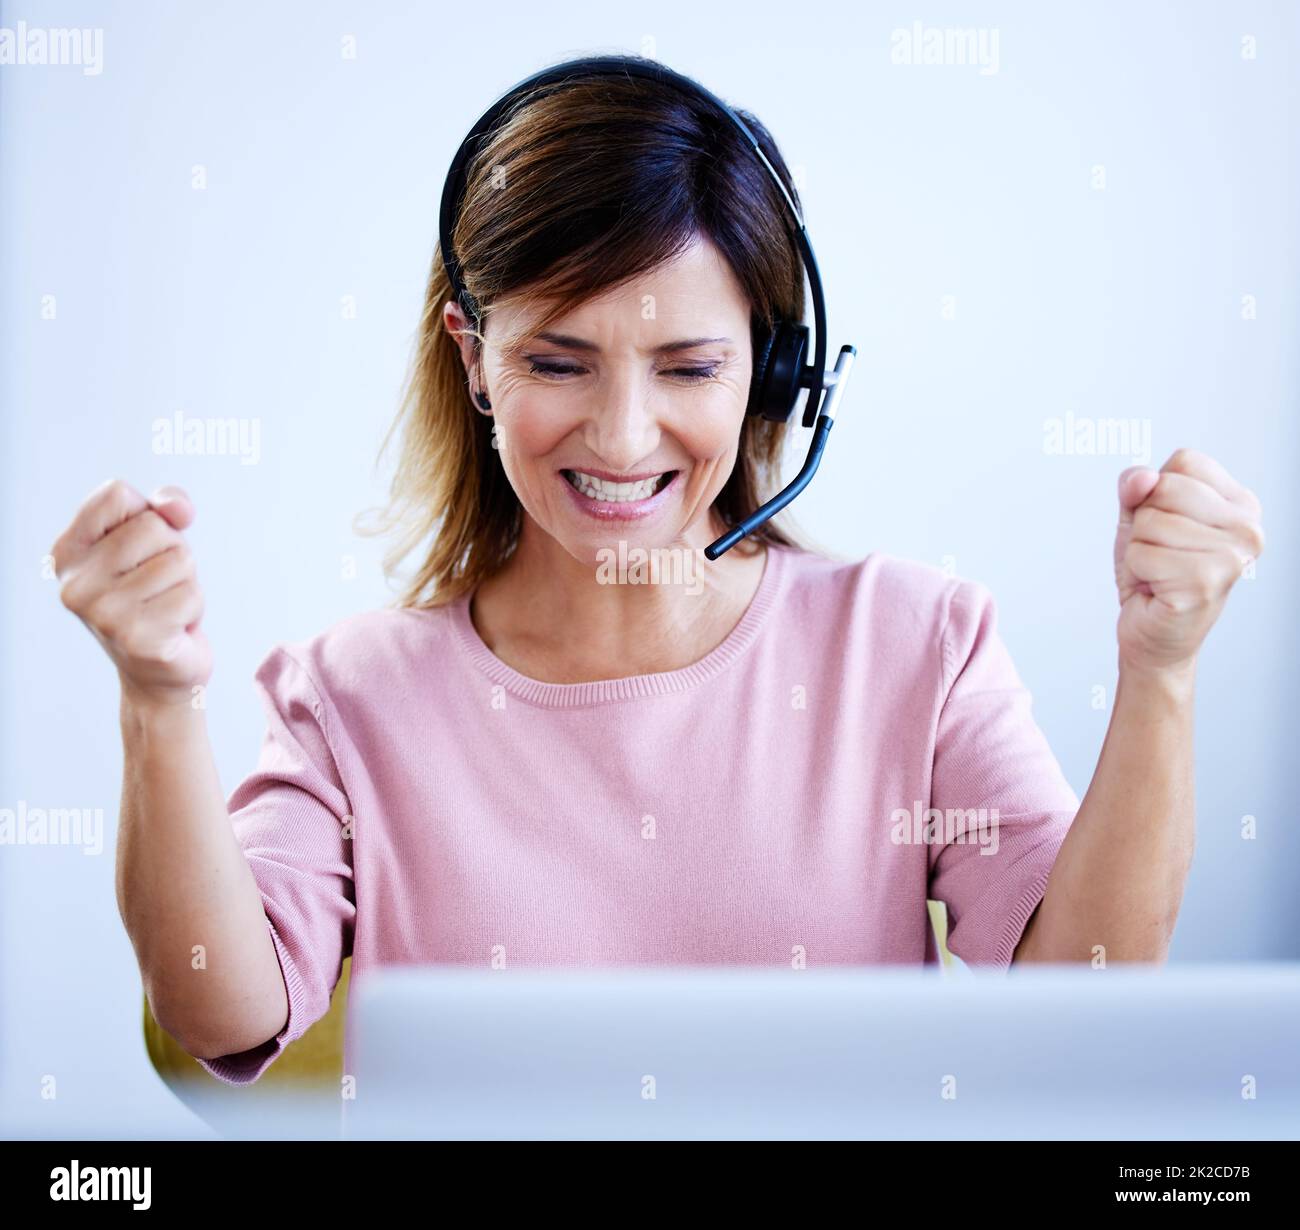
<point x="458" y="325"/>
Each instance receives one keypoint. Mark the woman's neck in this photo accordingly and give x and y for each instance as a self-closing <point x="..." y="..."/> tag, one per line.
<point x="558" y="619"/>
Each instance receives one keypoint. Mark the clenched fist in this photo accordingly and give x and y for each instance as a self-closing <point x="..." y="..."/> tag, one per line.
<point x="126" y="570"/>
<point x="1186" y="533"/>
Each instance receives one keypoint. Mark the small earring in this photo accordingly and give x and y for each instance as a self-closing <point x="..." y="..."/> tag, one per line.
<point x="482" y="398"/>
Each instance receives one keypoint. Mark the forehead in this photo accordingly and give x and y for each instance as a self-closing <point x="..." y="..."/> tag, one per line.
<point x="696" y="291"/>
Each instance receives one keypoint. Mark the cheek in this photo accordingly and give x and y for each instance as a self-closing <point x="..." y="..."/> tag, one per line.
<point x="530" y="426"/>
<point x="712" y="431"/>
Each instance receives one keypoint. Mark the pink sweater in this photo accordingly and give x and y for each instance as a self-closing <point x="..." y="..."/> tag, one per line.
<point x="419" y="801"/>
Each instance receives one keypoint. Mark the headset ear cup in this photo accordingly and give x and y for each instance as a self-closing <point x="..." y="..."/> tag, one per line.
<point x="762" y="339"/>
<point x="776" y="387"/>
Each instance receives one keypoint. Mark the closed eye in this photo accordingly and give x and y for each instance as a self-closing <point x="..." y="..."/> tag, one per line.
<point x="560" y="370"/>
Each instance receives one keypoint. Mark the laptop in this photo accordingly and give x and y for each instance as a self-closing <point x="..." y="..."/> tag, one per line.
<point x="866" y="1053"/>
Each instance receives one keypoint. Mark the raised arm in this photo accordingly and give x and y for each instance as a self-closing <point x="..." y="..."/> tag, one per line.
<point x="185" y="890"/>
<point x="1186" y="533"/>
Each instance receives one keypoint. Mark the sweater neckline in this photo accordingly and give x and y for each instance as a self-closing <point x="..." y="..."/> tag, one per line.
<point x="657" y="683"/>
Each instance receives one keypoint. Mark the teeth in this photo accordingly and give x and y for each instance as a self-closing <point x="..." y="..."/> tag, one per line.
<point x="613" y="493"/>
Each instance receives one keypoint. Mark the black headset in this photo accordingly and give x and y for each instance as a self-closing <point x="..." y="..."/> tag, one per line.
<point x="780" y="372"/>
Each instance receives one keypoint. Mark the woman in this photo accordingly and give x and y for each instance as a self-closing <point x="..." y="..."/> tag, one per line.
<point x="540" y="756"/>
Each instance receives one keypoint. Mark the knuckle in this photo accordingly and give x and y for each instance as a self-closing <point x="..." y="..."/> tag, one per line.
<point x="151" y="522"/>
<point x="109" y="627"/>
<point x="177" y="562"/>
<point x="193" y="596"/>
<point x="143" y="532"/>
<point x="103" y="616"/>
<point x="1249" y="535"/>
<point x="117" y="493"/>
<point x="70" y="595"/>
<point x="192" y="609"/>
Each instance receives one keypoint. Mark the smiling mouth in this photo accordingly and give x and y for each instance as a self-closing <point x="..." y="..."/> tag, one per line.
<point x="616" y="493"/>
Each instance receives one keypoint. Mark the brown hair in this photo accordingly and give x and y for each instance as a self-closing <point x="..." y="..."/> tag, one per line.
<point x="579" y="189"/>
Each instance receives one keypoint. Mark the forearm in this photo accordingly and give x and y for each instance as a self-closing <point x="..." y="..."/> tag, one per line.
<point x="1118" y="879"/>
<point x="183" y="884"/>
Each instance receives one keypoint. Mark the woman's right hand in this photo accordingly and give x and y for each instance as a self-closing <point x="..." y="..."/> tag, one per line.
<point x="127" y="572"/>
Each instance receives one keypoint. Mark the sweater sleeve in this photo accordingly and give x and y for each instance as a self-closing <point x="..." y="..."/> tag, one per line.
<point x="1006" y="805"/>
<point x="292" y="820"/>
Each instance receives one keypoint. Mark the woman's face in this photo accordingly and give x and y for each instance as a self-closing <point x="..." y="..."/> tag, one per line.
<point x="621" y="421"/>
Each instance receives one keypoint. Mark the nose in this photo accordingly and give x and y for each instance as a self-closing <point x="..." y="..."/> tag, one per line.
<point x="622" y="426"/>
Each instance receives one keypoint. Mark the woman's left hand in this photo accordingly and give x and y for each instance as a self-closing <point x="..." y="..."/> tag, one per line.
<point x="1186" y="533"/>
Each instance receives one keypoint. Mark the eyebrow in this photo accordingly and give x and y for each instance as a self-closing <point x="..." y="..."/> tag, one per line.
<point x="580" y="343"/>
